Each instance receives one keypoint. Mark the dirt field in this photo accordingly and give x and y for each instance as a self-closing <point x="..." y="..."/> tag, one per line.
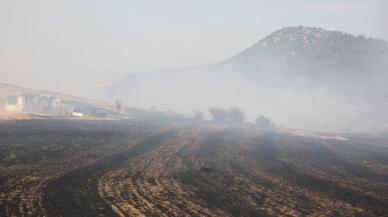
<point x="117" y="168"/>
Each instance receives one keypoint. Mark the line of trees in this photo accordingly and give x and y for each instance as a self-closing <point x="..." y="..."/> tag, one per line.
<point x="264" y="123"/>
<point x="235" y="116"/>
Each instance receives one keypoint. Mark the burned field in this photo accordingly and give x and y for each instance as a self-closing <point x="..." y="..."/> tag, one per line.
<point x="113" y="168"/>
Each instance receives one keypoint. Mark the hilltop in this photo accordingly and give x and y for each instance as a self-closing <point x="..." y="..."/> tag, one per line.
<point x="339" y="62"/>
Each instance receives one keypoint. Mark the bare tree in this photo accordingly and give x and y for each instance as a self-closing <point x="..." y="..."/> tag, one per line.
<point x="218" y="114"/>
<point x="235" y="115"/>
<point x="119" y="105"/>
<point x="264" y="123"/>
<point x="199" y="116"/>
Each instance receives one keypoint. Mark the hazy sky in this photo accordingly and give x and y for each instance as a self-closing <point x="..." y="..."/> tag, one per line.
<point x="75" y="46"/>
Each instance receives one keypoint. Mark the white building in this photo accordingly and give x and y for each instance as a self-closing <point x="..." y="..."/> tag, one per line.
<point x="33" y="103"/>
<point x="78" y="114"/>
<point x="15" y="103"/>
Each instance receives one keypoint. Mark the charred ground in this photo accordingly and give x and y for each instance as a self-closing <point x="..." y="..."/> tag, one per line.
<point x="137" y="168"/>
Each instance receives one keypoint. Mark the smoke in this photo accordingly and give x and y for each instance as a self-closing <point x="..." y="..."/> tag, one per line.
<point x="293" y="102"/>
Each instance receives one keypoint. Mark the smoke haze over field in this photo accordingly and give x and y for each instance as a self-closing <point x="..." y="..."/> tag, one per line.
<point x="295" y="104"/>
<point x="301" y="77"/>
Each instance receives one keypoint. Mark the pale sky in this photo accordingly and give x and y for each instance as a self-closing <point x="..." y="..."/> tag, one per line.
<point x="76" y="46"/>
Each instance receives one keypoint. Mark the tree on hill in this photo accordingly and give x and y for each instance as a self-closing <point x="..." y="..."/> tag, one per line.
<point x="264" y="123"/>
<point x="119" y="105"/>
<point x="199" y="116"/>
<point x="233" y="115"/>
<point x="218" y="114"/>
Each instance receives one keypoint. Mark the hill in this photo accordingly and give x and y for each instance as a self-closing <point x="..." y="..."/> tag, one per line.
<point x="90" y="108"/>
<point x="67" y="101"/>
<point x="8" y="90"/>
<point x="304" y="77"/>
<point x="354" y="67"/>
